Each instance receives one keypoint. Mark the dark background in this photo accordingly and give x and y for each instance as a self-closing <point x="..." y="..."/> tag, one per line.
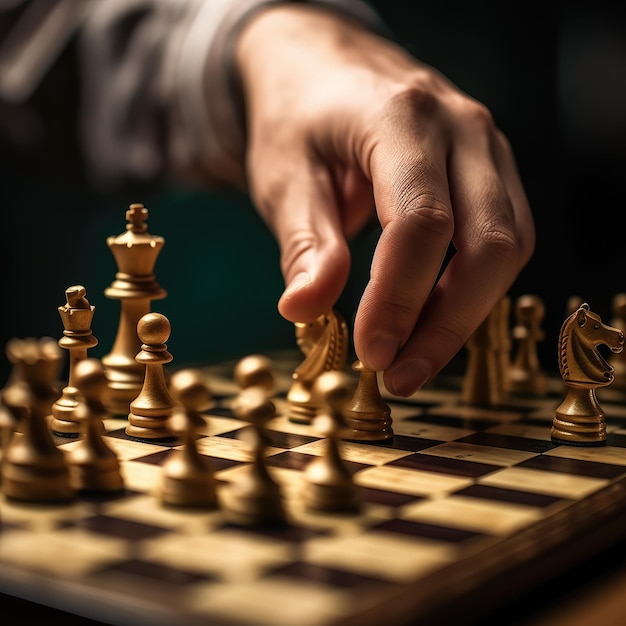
<point x="554" y="76"/>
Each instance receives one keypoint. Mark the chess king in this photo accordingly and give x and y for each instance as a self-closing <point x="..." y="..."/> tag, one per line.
<point x="135" y="253"/>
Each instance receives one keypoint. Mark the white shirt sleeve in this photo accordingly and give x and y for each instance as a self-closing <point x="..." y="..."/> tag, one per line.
<point x="162" y="104"/>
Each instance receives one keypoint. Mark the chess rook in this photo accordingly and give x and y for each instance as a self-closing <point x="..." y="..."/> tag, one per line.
<point x="151" y="409"/>
<point x="579" y="420"/>
<point x="135" y="252"/>
<point x="33" y="468"/>
<point x="76" y="316"/>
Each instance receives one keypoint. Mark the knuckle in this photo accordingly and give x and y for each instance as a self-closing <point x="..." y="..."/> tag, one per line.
<point x="425" y="211"/>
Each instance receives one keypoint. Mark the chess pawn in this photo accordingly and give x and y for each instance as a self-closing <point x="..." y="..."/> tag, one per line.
<point x="255" y="370"/>
<point x="188" y="478"/>
<point x="152" y="408"/>
<point x="526" y="376"/>
<point x="33" y="468"/>
<point x="329" y="486"/>
<point x="255" y="498"/>
<point x="93" y="466"/>
<point x="76" y="316"/>
<point x="135" y="252"/>
<point x="367" y="415"/>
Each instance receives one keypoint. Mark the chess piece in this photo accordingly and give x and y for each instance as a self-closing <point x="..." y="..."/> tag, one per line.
<point x="579" y="420"/>
<point x="93" y="465"/>
<point x="324" y="343"/>
<point x="135" y="252"/>
<point x="526" y="376"/>
<point x="188" y="478"/>
<point x="152" y="408"/>
<point x="503" y="342"/>
<point x="33" y="468"/>
<point x="618" y="360"/>
<point x="255" y="498"/>
<point x="482" y="382"/>
<point x="367" y="415"/>
<point x="255" y="370"/>
<point x="329" y="486"/>
<point x="76" y="316"/>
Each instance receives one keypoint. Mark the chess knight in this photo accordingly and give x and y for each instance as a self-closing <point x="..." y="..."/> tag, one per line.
<point x="324" y="343"/>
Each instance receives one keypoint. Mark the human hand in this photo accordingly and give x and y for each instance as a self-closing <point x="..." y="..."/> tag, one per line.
<point x="342" y="123"/>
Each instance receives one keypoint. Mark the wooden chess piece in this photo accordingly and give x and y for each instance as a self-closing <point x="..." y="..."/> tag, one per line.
<point x="94" y="466"/>
<point x="152" y="408"/>
<point x="481" y="384"/>
<point x="618" y="360"/>
<point x="503" y="342"/>
<point x="579" y="420"/>
<point x="76" y="316"/>
<point x="255" y="370"/>
<point x="255" y="498"/>
<point x="324" y="343"/>
<point x="135" y="252"/>
<point x="187" y="476"/>
<point x="33" y="468"/>
<point x="329" y="486"/>
<point x="367" y="415"/>
<point x="526" y="376"/>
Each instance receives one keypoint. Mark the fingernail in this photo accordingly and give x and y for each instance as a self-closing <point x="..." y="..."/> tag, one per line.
<point x="410" y="377"/>
<point x="380" y="352"/>
<point x="299" y="281"/>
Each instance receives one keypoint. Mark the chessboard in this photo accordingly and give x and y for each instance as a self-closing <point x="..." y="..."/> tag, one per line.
<point x="463" y="507"/>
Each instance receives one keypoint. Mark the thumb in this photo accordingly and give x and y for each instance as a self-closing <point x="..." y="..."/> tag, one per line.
<point x="314" y="254"/>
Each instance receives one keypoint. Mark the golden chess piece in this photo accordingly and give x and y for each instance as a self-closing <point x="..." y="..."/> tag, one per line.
<point x="367" y="415"/>
<point x="328" y="483"/>
<point x="135" y="252"/>
<point x="94" y="466"/>
<point x="76" y="316"/>
<point x="324" y="343"/>
<point x="33" y="468"/>
<point x="152" y="408"/>
<point x="255" y="498"/>
<point x="526" y="376"/>
<point x="482" y="381"/>
<point x="579" y="420"/>
<point x="187" y="476"/>
<point x="618" y="360"/>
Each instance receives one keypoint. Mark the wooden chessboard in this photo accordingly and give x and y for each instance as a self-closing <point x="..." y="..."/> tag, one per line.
<point x="465" y="507"/>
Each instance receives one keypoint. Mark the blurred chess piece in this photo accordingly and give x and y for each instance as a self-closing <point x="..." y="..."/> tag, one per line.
<point x="255" y="370"/>
<point x="618" y="360"/>
<point x="328" y="483"/>
<point x="135" y="252"/>
<point x="33" y="468"/>
<point x="152" y="408"/>
<point x="255" y="498"/>
<point x="324" y="343"/>
<point x="367" y="415"/>
<point x="76" y="316"/>
<point x="187" y="476"/>
<point x="579" y="420"/>
<point x="481" y="385"/>
<point x="526" y="377"/>
<point x="94" y="466"/>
